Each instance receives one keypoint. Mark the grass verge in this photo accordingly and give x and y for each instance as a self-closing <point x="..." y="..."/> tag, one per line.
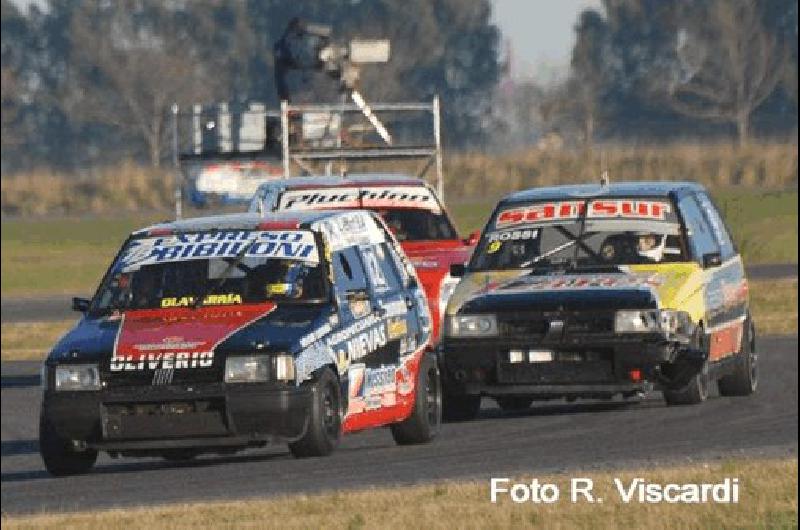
<point x="768" y="499"/>
<point x="30" y="341"/>
<point x="68" y="256"/>
<point x="773" y="304"/>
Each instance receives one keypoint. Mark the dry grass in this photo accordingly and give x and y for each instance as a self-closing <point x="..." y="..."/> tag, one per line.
<point x="468" y="176"/>
<point x="768" y="499"/>
<point x="28" y="341"/>
<point x="765" y="166"/>
<point x="126" y="187"/>
<point x="774" y="306"/>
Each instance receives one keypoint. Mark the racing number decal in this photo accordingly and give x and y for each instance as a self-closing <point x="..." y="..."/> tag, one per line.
<point x="374" y="271"/>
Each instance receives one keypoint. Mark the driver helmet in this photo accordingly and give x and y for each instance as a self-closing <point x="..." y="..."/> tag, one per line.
<point x="651" y="246"/>
<point x="288" y="282"/>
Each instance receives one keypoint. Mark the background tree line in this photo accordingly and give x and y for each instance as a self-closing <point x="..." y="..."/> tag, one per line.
<point x="88" y="82"/>
<point x="91" y="81"/>
<point x="651" y="70"/>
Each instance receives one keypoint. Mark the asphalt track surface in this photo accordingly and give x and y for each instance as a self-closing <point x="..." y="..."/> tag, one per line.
<point x="55" y="308"/>
<point x="547" y="438"/>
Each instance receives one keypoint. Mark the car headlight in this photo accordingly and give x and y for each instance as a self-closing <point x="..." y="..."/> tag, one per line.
<point x="77" y="377"/>
<point x="647" y="321"/>
<point x="472" y="326"/>
<point x="247" y="369"/>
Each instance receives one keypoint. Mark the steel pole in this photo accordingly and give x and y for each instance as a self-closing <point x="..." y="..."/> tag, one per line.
<point x="285" y="137"/>
<point x="177" y="163"/>
<point x="437" y="138"/>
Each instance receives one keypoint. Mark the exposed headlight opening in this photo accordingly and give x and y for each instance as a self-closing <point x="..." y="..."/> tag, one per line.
<point x="284" y="367"/>
<point x="446" y="290"/>
<point x="77" y="377"/>
<point x="472" y="326"/>
<point x="246" y="369"/>
<point x="649" y="321"/>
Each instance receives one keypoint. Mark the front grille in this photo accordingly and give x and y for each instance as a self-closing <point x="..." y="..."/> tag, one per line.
<point x="535" y="324"/>
<point x="183" y="376"/>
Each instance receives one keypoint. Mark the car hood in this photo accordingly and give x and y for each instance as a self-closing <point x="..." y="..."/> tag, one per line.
<point x="674" y="285"/>
<point x="436" y="255"/>
<point x="141" y="334"/>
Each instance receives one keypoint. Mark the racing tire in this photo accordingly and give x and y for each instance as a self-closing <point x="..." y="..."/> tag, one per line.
<point x="696" y="391"/>
<point x="59" y="459"/>
<point x="425" y="421"/>
<point x="743" y="381"/>
<point x="325" y="418"/>
<point x="513" y="403"/>
<point x="463" y="407"/>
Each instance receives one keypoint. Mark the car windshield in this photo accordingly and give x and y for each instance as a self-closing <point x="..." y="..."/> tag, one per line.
<point x="214" y="268"/>
<point x="417" y="224"/>
<point x="581" y="234"/>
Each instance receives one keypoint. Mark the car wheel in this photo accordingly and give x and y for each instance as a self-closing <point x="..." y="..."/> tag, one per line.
<point x="512" y="403"/>
<point x="59" y="459"/>
<point x="426" y="417"/>
<point x="463" y="407"/>
<point x="325" y="418"/>
<point x="743" y="381"/>
<point x="697" y="390"/>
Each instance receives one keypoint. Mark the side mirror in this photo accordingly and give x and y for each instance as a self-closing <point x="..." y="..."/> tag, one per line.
<point x="473" y="238"/>
<point x="712" y="259"/>
<point x="80" y="304"/>
<point x="457" y="270"/>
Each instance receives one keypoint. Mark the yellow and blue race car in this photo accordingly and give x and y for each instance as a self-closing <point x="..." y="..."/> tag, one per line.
<point x="592" y="291"/>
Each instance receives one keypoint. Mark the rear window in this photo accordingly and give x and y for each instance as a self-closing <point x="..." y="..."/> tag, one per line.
<point x="412" y="212"/>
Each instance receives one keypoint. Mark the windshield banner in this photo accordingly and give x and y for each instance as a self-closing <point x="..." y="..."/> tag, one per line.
<point x="548" y="212"/>
<point x="354" y="197"/>
<point x="295" y="245"/>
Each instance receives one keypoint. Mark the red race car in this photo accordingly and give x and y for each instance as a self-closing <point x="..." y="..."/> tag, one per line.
<point x="410" y="208"/>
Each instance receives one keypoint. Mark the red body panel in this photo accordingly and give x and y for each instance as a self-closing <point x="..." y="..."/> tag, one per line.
<point x="432" y="260"/>
<point x="397" y="404"/>
<point x="179" y="334"/>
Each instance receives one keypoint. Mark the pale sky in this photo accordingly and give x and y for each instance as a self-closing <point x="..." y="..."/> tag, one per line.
<point x="541" y="33"/>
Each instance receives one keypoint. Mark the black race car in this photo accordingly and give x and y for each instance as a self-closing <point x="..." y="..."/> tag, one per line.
<point x="220" y="333"/>
<point x="593" y="291"/>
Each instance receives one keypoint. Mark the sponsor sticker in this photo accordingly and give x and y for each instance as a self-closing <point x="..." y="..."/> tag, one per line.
<point x="354" y="197"/>
<point x="397" y="327"/>
<point x="587" y="282"/>
<point x="569" y="210"/>
<point x="350" y="229"/>
<point x="297" y="245"/>
<point x="212" y="299"/>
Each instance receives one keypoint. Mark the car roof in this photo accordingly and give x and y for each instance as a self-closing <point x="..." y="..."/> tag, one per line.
<point x="245" y="221"/>
<point x="617" y="189"/>
<point x="361" y="179"/>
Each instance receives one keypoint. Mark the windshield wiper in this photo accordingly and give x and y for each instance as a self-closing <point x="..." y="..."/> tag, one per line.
<point x="237" y="260"/>
<point x="547" y="254"/>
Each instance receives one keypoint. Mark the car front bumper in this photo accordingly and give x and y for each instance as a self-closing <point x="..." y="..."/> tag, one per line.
<point x="599" y="366"/>
<point x="207" y="416"/>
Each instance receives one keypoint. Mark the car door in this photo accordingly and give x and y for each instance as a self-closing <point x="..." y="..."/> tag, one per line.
<point x="389" y="301"/>
<point x="728" y="284"/>
<point x="723" y="275"/>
